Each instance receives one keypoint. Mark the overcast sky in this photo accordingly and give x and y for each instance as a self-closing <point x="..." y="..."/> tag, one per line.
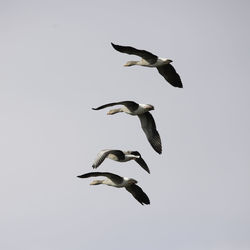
<point x="56" y="63"/>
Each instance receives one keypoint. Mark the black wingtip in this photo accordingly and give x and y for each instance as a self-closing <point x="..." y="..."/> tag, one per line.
<point x="180" y="86"/>
<point x="146" y="201"/>
<point x="146" y="169"/>
<point x="177" y="83"/>
<point x="156" y="149"/>
<point x="116" y="47"/>
<point x="159" y="152"/>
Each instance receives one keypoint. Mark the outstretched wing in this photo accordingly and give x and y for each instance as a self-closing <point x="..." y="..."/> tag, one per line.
<point x="102" y="155"/>
<point x="146" y="55"/>
<point x="143" y="164"/>
<point x="149" y="128"/>
<point x="105" y="106"/>
<point x="170" y="74"/>
<point x="138" y="194"/>
<point x="129" y="104"/>
<point x="113" y="177"/>
<point x="140" y="161"/>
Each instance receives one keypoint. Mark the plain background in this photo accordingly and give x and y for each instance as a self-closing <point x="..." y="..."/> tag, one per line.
<point x="56" y="63"/>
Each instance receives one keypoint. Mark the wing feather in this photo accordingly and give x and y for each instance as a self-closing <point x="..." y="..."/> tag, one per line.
<point x="129" y="104"/>
<point x="170" y="74"/>
<point x="102" y="155"/>
<point x="138" y="194"/>
<point x="140" y="161"/>
<point x="149" y="128"/>
<point x="146" y="55"/>
<point x="113" y="177"/>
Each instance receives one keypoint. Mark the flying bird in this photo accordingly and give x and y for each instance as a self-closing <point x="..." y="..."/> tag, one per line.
<point x="150" y="60"/>
<point x="147" y="120"/>
<point x="119" y="182"/>
<point x="121" y="156"/>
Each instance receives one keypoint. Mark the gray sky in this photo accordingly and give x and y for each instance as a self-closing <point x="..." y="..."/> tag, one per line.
<point x="56" y="63"/>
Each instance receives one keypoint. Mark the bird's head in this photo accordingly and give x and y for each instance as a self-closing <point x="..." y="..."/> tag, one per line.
<point x="167" y="61"/>
<point x="132" y="181"/>
<point x="148" y="107"/>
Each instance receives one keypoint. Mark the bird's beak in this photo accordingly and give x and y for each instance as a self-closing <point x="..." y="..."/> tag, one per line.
<point x="151" y="107"/>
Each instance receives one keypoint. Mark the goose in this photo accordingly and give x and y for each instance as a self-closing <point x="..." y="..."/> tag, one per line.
<point x="119" y="182"/>
<point x="146" y="119"/>
<point x="163" y="65"/>
<point x="121" y="156"/>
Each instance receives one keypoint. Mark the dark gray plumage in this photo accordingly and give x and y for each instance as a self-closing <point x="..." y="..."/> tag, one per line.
<point x="149" y="128"/>
<point x="130" y="105"/>
<point x="140" y="161"/>
<point x="118" y="180"/>
<point x="170" y="74"/>
<point x="148" y="56"/>
<point x="138" y="194"/>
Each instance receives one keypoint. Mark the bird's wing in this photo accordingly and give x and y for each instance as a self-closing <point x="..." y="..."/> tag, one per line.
<point x="102" y="155"/>
<point x="132" y="106"/>
<point x="129" y="104"/>
<point x="170" y="74"/>
<point x="118" y="153"/>
<point x="143" y="164"/>
<point x="113" y="177"/>
<point x="146" y="55"/>
<point x="138" y="194"/>
<point x="140" y="161"/>
<point x="149" y="128"/>
<point x="105" y="106"/>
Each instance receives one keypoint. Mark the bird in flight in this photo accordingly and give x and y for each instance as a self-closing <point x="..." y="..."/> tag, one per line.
<point x="146" y="119"/>
<point x="121" y="156"/>
<point x="117" y="181"/>
<point x="163" y="65"/>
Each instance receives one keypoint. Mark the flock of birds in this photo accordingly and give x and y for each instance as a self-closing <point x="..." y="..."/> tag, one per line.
<point x="165" y="68"/>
